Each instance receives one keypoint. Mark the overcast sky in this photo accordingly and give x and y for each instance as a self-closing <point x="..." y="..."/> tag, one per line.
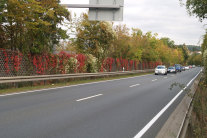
<point x="165" y="17"/>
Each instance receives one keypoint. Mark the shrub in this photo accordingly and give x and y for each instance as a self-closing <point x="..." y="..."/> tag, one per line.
<point x="91" y="64"/>
<point x="205" y="64"/>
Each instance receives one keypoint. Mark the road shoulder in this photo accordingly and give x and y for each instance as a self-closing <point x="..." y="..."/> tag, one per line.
<point x="173" y="126"/>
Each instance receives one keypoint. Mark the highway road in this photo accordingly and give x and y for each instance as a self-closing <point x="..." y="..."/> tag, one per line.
<point x="122" y="108"/>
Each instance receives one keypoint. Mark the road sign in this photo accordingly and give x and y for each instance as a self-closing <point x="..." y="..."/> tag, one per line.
<point x="101" y="14"/>
<point x="102" y="10"/>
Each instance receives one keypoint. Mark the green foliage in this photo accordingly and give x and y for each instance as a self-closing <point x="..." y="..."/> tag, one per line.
<point x="94" y="38"/>
<point x="198" y="8"/>
<point x="32" y="26"/>
<point x="121" y="45"/>
<point x="205" y="64"/>
<point x="195" y="59"/>
<point x="185" y="53"/>
<point x="193" y="48"/>
<point x="91" y="64"/>
<point x="101" y="40"/>
<point x="198" y="124"/>
<point x="204" y="52"/>
<point x="150" y="49"/>
<point x="204" y="44"/>
<point x="2" y="6"/>
<point x="2" y="35"/>
<point x="70" y="65"/>
<point x="167" y="41"/>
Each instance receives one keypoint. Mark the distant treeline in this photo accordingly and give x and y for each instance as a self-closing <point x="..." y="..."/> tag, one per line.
<point x="192" y="48"/>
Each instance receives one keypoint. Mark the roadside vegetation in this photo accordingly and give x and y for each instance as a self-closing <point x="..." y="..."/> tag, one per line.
<point x="198" y="121"/>
<point x="197" y="127"/>
<point x="31" y="26"/>
<point x="34" y="27"/>
<point x="100" y="40"/>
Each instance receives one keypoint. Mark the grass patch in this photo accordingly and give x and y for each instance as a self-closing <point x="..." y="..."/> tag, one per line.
<point x="29" y="86"/>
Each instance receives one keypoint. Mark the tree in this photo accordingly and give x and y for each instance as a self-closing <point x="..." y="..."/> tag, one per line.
<point x="2" y="6"/>
<point x="204" y="53"/>
<point x="185" y="53"/>
<point x="197" y="7"/>
<point x="168" y="42"/>
<point x="204" y="44"/>
<point x="195" y="59"/>
<point x="2" y="34"/>
<point x="32" y="26"/>
<point x="137" y="44"/>
<point x="205" y="64"/>
<point x="150" y="45"/>
<point x="121" y="45"/>
<point x="94" y="37"/>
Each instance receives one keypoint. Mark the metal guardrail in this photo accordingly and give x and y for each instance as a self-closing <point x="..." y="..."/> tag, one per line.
<point x="184" y="126"/>
<point x="65" y="76"/>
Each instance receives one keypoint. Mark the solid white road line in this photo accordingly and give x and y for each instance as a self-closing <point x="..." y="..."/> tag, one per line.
<point x="151" y="122"/>
<point x="70" y="86"/>
<point x="154" y="80"/>
<point x="134" y="85"/>
<point x="88" y="97"/>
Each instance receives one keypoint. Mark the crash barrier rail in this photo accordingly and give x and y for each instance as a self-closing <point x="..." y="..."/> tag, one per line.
<point x="66" y="76"/>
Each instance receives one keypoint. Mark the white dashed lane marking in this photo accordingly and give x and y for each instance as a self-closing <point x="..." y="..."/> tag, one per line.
<point x="89" y="97"/>
<point x="134" y="85"/>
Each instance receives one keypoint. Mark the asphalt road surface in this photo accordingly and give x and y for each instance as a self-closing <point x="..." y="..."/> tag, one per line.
<point x="110" y="109"/>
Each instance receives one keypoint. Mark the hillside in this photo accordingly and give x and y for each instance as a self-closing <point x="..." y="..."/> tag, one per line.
<point x="193" y="48"/>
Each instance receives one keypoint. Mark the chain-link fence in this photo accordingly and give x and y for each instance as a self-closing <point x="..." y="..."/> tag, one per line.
<point x="13" y="63"/>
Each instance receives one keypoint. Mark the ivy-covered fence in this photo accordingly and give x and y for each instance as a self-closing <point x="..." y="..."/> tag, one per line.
<point x="14" y="63"/>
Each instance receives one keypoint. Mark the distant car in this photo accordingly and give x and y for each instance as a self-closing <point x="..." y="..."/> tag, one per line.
<point x="183" y="68"/>
<point x="193" y="66"/>
<point x="161" y="69"/>
<point x="187" y="68"/>
<point x="190" y="66"/>
<point x="178" y="67"/>
<point x="171" y="69"/>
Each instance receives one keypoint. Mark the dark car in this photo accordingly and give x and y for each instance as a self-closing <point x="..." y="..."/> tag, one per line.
<point x="178" y="67"/>
<point x="183" y="68"/>
<point x="171" y="69"/>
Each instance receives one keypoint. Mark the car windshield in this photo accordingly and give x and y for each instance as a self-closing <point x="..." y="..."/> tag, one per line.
<point x="160" y="67"/>
<point x="171" y="68"/>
